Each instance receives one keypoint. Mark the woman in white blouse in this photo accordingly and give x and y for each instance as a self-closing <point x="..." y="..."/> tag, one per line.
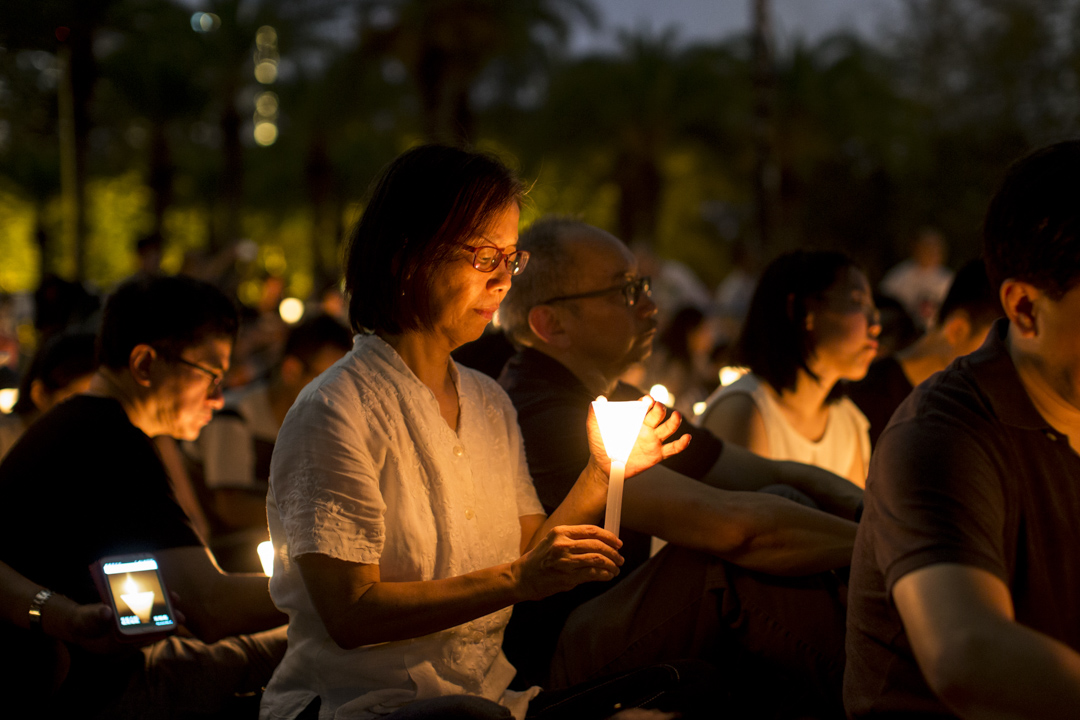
<point x="401" y="510"/>
<point x="812" y="323"/>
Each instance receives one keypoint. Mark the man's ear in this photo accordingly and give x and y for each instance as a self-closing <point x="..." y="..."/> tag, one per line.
<point x="139" y="362"/>
<point x="39" y="394"/>
<point x="1021" y="303"/>
<point x="546" y="324"/>
<point x="957" y="328"/>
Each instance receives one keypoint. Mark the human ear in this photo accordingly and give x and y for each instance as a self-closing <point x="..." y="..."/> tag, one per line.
<point x="547" y="326"/>
<point x="139" y="362"/>
<point x="39" y="395"/>
<point x="957" y="328"/>
<point x="1020" y="302"/>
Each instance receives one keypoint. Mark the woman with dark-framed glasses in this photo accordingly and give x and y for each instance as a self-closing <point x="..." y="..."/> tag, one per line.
<point x="403" y="517"/>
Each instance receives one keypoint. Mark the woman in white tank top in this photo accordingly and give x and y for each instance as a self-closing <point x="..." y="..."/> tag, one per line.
<point x="812" y="323"/>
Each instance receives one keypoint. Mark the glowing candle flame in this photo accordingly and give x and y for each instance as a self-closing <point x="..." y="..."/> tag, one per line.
<point x="266" y="557"/>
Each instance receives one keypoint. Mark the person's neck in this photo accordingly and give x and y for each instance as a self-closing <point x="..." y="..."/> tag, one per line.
<point x="807" y="401"/>
<point x="595" y="379"/>
<point x="119" y="386"/>
<point x="926" y="356"/>
<point x="429" y="359"/>
<point x="1036" y="375"/>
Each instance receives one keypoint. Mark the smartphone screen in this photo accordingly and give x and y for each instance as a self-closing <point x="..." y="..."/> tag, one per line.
<point x="138" y="595"/>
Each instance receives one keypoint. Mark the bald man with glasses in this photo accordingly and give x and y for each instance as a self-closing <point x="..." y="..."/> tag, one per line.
<point x="744" y="572"/>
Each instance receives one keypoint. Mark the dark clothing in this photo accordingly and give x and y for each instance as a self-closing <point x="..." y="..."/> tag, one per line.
<point x="552" y="406"/>
<point x="778" y="641"/>
<point x="81" y="484"/>
<point x="967" y="472"/>
<point x="880" y="393"/>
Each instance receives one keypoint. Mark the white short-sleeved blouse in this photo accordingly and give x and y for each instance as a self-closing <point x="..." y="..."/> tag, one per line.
<point x="367" y="470"/>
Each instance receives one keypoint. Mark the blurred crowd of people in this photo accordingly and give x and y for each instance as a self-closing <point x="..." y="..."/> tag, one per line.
<point x="867" y="497"/>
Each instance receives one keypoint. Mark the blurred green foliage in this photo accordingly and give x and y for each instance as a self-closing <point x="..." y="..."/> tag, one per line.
<point x="653" y="142"/>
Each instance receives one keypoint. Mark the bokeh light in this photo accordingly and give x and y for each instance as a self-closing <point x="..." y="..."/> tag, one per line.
<point x="291" y="310"/>
<point x="265" y="133"/>
<point x="8" y="398"/>
<point x="661" y="395"/>
<point x="730" y="374"/>
<point x="204" y="22"/>
<point x="266" y="71"/>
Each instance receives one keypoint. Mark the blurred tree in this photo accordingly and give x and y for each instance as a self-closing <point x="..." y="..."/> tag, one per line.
<point x="446" y="45"/>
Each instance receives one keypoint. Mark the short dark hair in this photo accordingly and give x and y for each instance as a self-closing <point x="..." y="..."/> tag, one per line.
<point x="549" y="273"/>
<point x="971" y="293"/>
<point x="774" y="342"/>
<point x="1032" y="228"/>
<point x="424" y="203"/>
<point x="60" y="361"/>
<point x="169" y="313"/>
<point x="311" y="335"/>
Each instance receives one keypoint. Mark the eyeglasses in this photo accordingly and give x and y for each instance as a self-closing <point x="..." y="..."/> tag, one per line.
<point x="216" y="376"/>
<point x="633" y="290"/>
<point x="486" y="258"/>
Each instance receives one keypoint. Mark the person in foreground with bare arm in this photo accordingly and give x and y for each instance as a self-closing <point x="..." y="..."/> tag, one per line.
<point x="964" y="587"/>
<point x="403" y="517"/>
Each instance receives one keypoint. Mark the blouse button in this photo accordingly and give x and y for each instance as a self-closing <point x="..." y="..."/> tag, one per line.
<point x="1051" y="436"/>
<point x="458" y="450"/>
<point x="469" y="514"/>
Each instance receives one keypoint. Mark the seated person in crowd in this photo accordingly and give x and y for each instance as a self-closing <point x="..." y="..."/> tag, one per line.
<point x="404" y="521"/>
<point x="964" y="320"/>
<point x="230" y="462"/>
<point x="61" y="368"/>
<point x="88" y="484"/>
<point x="964" y="585"/>
<point x="582" y="316"/>
<point x="812" y="323"/>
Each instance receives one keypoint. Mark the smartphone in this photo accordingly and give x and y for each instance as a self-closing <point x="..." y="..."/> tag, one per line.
<point x="132" y="586"/>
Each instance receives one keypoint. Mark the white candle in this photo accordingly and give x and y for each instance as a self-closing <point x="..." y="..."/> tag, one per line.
<point x="620" y="423"/>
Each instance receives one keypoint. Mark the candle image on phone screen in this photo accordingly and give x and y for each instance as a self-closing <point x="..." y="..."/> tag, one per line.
<point x="137" y="593"/>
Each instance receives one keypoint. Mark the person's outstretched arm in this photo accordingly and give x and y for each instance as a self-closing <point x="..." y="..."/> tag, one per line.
<point x="757" y="531"/>
<point x="739" y="469"/>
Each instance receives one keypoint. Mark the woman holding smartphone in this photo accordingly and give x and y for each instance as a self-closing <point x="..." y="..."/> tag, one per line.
<point x="401" y="510"/>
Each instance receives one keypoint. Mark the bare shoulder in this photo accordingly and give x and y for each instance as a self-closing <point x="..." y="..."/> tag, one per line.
<point x="735" y="418"/>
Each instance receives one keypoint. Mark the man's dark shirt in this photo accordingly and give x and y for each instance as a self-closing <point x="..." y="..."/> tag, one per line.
<point x="83" y="483"/>
<point x="967" y="472"/>
<point x="552" y="406"/>
<point x="880" y="393"/>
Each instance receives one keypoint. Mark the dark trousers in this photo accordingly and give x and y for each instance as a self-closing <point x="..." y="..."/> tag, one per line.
<point x="683" y="687"/>
<point x="773" y="638"/>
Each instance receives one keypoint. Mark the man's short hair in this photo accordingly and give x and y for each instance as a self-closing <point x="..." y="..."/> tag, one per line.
<point x="971" y="293"/>
<point x="549" y="274"/>
<point x="170" y="314"/>
<point x="775" y="342"/>
<point x="1032" y="228"/>
<point x="425" y="203"/>
<point x="311" y="335"/>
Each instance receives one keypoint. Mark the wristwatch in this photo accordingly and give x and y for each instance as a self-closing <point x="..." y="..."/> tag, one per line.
<point x="35" y="609"/>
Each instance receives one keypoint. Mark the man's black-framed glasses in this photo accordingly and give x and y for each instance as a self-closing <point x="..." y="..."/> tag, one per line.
<point x="487" y="257"/>
<point x="633" y="290"/>
<point x="216" y="376"/>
